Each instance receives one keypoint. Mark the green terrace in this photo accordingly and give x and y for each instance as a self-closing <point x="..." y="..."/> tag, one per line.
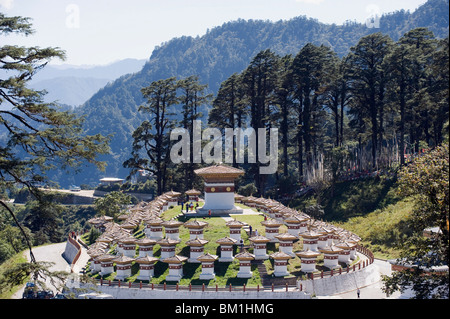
<point x="225" y="272"/>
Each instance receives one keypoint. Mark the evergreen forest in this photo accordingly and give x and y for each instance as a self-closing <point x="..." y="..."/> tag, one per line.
<point x="370" y="111"/>
<point x="233" y="48"/>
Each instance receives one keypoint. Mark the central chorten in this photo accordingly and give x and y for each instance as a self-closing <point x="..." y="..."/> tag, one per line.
<point x="219" y="189"/>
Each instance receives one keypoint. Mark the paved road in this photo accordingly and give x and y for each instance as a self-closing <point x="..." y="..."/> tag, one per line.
<point x="51" y="253"/>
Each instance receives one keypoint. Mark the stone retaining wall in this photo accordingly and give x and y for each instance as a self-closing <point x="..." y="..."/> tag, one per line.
<point x="72" y="251"/>
<point x="342" y="283"/>
<point x="147" y="293"/>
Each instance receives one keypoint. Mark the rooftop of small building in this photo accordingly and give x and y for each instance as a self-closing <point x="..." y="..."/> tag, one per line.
<point x="219" y="169"/>
<point x="245" y="255"/>
<point x="226" y="240"/>
<point x="197" y="242"/>
<point x="194" y="223"/>
<point x="207" y="257"/>
<point x="192" y="192"/>
<point x="177" y="259"/>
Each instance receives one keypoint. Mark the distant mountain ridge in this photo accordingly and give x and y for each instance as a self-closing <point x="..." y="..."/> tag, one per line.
<point x="110" y="71"/>
<point x="218" y="54"/>
<point x="74" y="85"/>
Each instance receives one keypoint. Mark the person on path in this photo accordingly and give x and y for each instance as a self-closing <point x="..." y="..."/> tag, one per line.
<point x="358" y="292"/>
<point x="209" y="213"/>
<point x="251" y="230"/>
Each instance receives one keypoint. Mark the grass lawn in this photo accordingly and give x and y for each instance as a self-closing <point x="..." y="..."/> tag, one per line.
<point x="381" y="229"/>
<point x="371" y="208"/>
<point x="10" y="263"/>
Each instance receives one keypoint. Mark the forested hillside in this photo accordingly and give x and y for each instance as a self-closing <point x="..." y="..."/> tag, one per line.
<point x="218" y="54"/>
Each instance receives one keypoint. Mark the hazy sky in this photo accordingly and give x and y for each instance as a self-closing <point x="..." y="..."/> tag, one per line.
<point x="103" y="31"/>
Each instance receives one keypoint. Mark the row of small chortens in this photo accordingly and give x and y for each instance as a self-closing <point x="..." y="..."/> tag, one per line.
<point x="318" y="238"/>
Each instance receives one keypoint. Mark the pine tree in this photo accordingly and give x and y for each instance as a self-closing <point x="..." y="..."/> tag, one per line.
<point x="229" y="109"/>
<point x="151" y="136"/>
<point x="39" y="136"/>
<point x="259" y="80"/>
<point x="369" y="85"/>
<point x="312" y="72"/>
<point x="285" y="101"/>
<point x="398" y="66"/>
<point x="193" y="96"/>
<point x="421" y="44"/>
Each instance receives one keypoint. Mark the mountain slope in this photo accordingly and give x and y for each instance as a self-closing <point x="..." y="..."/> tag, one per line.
<point x="223" y="51"/>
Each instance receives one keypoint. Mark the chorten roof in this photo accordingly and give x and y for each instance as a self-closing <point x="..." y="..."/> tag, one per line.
<point x="286" y="237"/>
<point x="194" y="223"/>
<point x="219" y="169"/>
<point x="250" y="199"/>
<point x="128" y="225"/>
<point x="207" y="257"/>
<point x="105" y="238"/>
<point x="330" y="250"/>
<point x="145" y="241"/>
<point x="192" y="192"/>
<point x="307" y="253"/>
<point x="271" y="223"/>
<point x="127" y="240"/>
<point x="106" y="257"/>
<point x="197" y="242"/>
<point x="323" y="230"/>
<point x="244" y="256"/>
<point x="226" y="241"/>
<point x="175" y="259"/>
<point x="123" y="260"/>
<point x="259" y="239"/>
<point x="235" y="223"/>
<point x="219" y="172"/>
<point x="147" y="260"/>
<point x="93" y="253"/>
<point x="100" y="220"/>
<point x="172" y="223"/>
<point x="154" y="221"/>
<point x="280" y="255"/>
<point x="277" y="208"/>
<point x="345" y="245"/>
<point x="295" y="219"/>
<point x="172" y="194"/>
<point x="310" y="234"/>
<point x="123" y="217"/>
<point x="271" y="203"/>
<point x="168" y="242"/>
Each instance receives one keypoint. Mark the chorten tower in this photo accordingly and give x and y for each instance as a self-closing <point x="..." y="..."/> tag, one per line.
<point x="219" y="189"/>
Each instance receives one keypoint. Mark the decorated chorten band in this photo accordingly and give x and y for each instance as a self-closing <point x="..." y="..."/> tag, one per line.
<point x="219" y="189"/>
